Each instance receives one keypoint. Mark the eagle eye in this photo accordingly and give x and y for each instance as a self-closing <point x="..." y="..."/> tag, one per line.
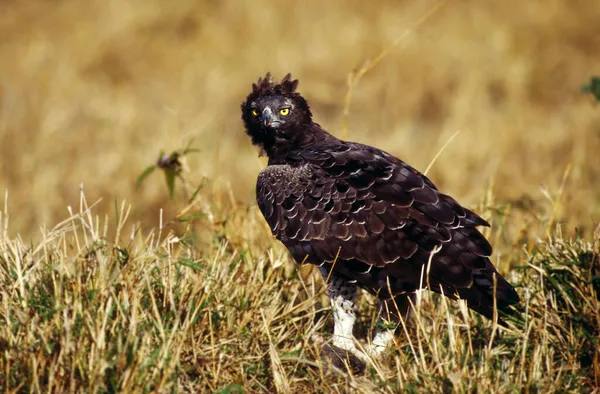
<point x="254" y="112"/>
<point x="284" y="111"/>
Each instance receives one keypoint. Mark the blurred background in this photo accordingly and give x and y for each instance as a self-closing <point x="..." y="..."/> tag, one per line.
<point x="92" y="90"/>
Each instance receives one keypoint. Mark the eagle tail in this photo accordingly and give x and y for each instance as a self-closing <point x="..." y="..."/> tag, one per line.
<point x="488" y="290"/>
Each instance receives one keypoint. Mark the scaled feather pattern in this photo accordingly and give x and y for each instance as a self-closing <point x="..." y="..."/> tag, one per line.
<point x="362" y="212"/>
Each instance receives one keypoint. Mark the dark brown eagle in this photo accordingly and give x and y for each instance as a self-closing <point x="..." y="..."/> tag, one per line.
<point x="365" y="218"/>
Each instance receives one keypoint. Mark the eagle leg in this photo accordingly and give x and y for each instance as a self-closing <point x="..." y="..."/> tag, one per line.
<point x="342" y="294"/>
<point x="391" y="312"/>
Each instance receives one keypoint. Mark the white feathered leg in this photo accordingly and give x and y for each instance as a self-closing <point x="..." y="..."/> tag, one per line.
<point x="342" y="294"/>
<point x="390" y="313"/>
<point x="344" y="316"/>
<point x="382" y="340"/>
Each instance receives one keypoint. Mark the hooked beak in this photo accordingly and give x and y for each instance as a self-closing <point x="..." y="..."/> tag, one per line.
<point x="267" y="117"/>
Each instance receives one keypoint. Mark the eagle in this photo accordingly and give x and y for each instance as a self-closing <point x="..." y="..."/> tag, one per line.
<point x="365" y="218"/>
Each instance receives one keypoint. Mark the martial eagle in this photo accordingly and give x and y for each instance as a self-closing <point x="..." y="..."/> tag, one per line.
<point x="365" y="218"/>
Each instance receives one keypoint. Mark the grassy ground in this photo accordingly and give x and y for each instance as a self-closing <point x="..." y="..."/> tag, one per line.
<point x="143" y="312"/>
<point x="193" y="294"/>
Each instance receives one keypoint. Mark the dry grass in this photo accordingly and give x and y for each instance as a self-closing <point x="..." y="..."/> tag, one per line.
<point x="151" y="312"/>
<point x="91" y="91"/>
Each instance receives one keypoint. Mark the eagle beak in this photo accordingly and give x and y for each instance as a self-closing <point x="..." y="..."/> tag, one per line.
<point x="267" y="117"/>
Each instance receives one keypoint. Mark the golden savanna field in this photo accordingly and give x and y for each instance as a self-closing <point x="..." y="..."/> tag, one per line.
<point x="144" y="293"/>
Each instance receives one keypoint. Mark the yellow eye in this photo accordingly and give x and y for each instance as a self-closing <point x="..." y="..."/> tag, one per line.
<point x="284" y="111"/>
<point x="254" y="112"/>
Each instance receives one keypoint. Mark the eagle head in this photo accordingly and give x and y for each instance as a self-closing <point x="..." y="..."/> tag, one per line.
<point x="275" y="112"/>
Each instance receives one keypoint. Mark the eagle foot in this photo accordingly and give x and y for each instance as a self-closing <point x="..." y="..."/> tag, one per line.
<point x="344" y="359"/>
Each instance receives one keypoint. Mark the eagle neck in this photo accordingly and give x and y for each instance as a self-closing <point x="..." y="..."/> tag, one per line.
<point x="301" y="138"/>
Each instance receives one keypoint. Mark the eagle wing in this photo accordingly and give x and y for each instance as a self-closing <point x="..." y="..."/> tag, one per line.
<point x="364" y="208"/>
